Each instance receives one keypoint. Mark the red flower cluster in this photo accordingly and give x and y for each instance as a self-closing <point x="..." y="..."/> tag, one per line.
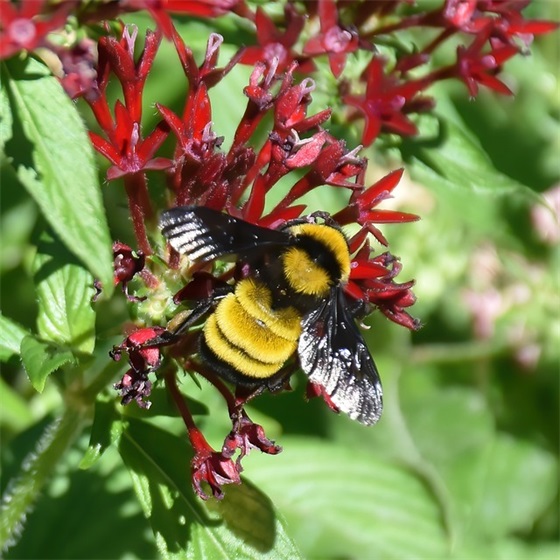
<point x="239" y="180"/>
<point x="489" y="33"/>
<point x="134" y="385"/>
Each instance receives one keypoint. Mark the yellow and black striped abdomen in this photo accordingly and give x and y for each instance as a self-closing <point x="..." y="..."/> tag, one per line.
<point x="246" y="335"/>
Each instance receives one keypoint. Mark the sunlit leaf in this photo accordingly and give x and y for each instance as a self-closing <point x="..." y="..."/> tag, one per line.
<point x="11" y="335"/>
<point x="40" y="359"/>
<point x="64" y="291"/>
<point x="52" y="156"/>
<point x="341" y="502"/>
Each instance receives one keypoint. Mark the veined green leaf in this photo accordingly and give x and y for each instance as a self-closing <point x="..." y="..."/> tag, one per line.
<point x="521" y="482"/>
<point x="344" y="503"/>
<point x="450" y="159"/>
<point x="52" y="157"/>
<point x="64" y="292"/>
<point x="40" y="359"/>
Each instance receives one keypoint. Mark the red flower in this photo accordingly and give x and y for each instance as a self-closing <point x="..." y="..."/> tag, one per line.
<point x="142" y="357"/>
<point x="130" y="154"/>
<point x="373" y="280"/>
<point x="210" y="466"/>
<point x="387" y="100"/>
<point x="459" y="12"/>
<point x="334" y="40"/>
<point x="276" y="47"/>
<point x="502" y="20"/>
<point x="134" y="385"/>
<point x="125" y="148"/>
<point x="362" y="203"/>
<point x="246" y="436"/>
<point x="202" y="8"/>
<point x="475" y="67"/>
<point x="26" y="24"/>
<point x="214" y="469"/>
<point x="126" y="265"/>
<point x="79" y="72"/>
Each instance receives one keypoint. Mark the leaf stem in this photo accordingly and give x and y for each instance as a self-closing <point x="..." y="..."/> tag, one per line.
<point x="101" y="381"/>
<point x="36" y="470"/>
<point x="455" y="353"/>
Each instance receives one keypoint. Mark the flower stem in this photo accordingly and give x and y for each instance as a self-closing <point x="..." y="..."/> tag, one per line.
<point x="140" y="208"/>
<point x="198" y="441"/>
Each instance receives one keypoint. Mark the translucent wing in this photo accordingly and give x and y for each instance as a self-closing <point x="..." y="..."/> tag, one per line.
<point x="205" y="234"/>
<point x="334" y="355"/>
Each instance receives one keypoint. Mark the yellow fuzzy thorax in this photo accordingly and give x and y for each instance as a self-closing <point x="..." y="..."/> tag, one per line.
<point x="303" y="274"/>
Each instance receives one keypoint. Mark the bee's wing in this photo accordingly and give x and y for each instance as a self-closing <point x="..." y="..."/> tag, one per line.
<point x="334" y="355"/>
<point x="204" y="234"/>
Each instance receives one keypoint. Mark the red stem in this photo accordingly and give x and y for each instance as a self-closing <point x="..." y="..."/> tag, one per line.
<point x="140" y="208"/>
<point x="197" y="439"/>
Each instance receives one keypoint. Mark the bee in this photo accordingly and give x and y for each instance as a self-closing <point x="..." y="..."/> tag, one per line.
<point x="290" y="302"/>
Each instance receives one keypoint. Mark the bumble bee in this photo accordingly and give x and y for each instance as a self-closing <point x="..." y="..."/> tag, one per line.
<point x="290" y="302"/>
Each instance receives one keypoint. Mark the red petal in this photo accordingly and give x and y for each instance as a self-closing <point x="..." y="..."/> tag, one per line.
<point x="363" y="270"/>
<point x="372" y="129"/>
<point x="534" y="27"/>
<point x="495" y="84"/>
<point x="390" y="217"/>
<point x="174" y="122"/>
<point x="353" y="290"/>
<point x="104" y="148"/>
<point x="266" y="31"/>
<point x="386" y="184"/>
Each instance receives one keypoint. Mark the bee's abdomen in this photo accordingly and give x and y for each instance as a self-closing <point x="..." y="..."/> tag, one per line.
<point x="245" y="339"/>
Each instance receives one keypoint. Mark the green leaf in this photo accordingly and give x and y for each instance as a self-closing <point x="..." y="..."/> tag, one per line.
<point x="106" y="431"/>
<point x="64" y="291"/>
<point x="11" y="335"/>
<point x="346" y="503"/>
<point x="450" y="159"/>
<point x="52" y="156"/>
<point x="40" y="359"/>
<point x="445" y="435"/>
<point x="489" y="485"/>
<point x="16" y="412"/>
<point x="519" y="550"/>
<point x="6" y="120"/>
<point x="521" y="481"/>
<point x="510" y="549"/>
<point x="110" y="524"/>
<point x="243" y="526"/>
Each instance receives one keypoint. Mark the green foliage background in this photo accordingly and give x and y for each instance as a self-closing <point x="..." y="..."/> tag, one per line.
<point x="463" y="464"/>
